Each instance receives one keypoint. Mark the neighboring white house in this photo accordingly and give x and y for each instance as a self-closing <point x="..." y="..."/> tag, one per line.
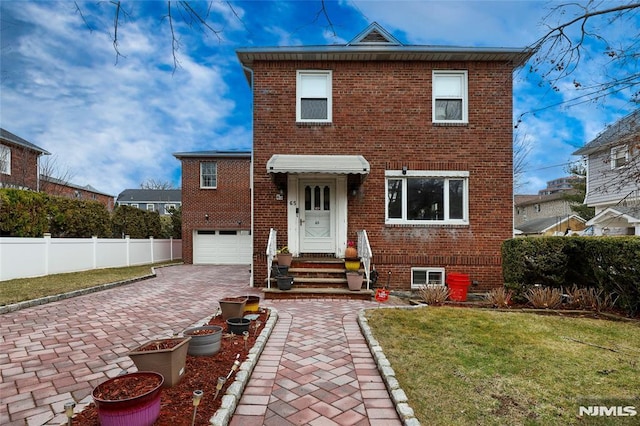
<point x="158" y="200"/>
<point x="613" y="178"/>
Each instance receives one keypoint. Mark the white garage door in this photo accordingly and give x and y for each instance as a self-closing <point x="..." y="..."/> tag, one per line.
<point x="221" y="247"/>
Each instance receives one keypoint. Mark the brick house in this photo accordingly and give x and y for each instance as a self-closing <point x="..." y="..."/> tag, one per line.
<point x="19" y="160"/>
<point x="20" y="168"/>
<point x="216" y="207"/>
<point x="412" y="144"/>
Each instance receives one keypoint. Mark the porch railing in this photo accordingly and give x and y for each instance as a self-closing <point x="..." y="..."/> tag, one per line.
<point x="272" y="243"/>
<point x="365" y="255"/>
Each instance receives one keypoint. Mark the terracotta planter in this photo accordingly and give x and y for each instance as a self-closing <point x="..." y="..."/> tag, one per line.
<point x="232" y="307"/>
<point x="168" y="358"/>
<point x="285" y="259"/>
<point x="354" y="281"/>
<point x="205" y="340"/>
<point x="253" y="304"/>
<point x="238" y="325"/>
<point x="141" y="409"/>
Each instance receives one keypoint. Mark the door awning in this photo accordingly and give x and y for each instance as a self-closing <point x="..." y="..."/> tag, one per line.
<point x="335" y="164"/>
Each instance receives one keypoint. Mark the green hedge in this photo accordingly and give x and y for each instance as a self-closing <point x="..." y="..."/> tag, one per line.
<point x="608" y="263"/>
<point x="32" y="214"/>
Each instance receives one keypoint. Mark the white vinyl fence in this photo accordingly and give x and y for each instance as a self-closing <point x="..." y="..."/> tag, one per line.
<point x="34" y="257"/>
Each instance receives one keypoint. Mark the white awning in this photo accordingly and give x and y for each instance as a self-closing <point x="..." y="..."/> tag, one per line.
<point x="336" y="164"/>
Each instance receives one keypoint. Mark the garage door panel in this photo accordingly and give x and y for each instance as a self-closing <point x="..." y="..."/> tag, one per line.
<point x="222" y="247"/>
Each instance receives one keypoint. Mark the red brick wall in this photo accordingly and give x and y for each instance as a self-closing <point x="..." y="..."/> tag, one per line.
<point x="24" y="168"/>
<point x="54" y="188"/>
<point x="382" y="110"/>
<point x="228" y="206"/>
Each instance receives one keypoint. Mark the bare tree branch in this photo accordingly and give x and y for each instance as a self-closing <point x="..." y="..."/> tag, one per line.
<point x="82" y="16"/>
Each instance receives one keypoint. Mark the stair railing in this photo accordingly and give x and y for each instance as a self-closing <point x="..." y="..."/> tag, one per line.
<point x="272" y="244"/>
<point x="365" y="255"/>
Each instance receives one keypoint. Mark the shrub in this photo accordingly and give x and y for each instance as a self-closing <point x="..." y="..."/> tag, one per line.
<point x="433" y="294"/>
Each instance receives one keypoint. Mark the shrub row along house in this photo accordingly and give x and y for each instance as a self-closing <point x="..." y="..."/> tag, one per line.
<point x="412" y="144"/>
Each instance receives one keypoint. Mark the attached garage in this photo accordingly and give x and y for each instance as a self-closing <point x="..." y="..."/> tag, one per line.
<point x="221" y="247"/>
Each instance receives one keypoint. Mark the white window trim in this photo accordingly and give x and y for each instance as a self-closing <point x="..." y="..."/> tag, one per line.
<point x="168" y="207"/>
<point x="427" y="270"/>
<point x="153" y="207"/>
<point x="134" y="205"/>
<point x="202" y="186"/>
<point x="329" y="76"/>
<point x="5" y="157"/>
<point x="465" y="95"/>
<point x="396" y="174"/>
<point x="614" y="155"/>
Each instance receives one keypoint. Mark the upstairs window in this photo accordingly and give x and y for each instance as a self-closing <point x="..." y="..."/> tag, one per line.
<point x="313" y="96"/>
<point x="450" y="101"/>
<point x="619" y="156"/>
<point x="5" y="160"/>
<point x="208" y="174"/>
<point x="423" y="197"/>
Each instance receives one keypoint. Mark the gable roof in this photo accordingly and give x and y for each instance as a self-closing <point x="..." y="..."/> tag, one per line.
<point x="623" y="130"/>
<point x="150" y="195"/>
<point x="376" y="44"/>
<point x="542" y="225"/>
<point x="631" y="214"/>
<point x="10" y="137"/>
<point x="87" y="188"/>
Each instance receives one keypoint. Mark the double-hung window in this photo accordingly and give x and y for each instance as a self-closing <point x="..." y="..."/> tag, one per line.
<point x="5" y="160"/>
<point x="427" y="197"/>
<point x="619" y="156"/>
<point x="450" y="97"/>
<point x="208" y="174"/>
<point x="313" y="96"/>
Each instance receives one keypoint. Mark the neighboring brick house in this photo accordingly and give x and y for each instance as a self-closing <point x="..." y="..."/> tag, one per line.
<point x="54" y="186"/>
<point x="216" y="207"/>
<point x="411" y="143"/>
<point x="19" y="160"/>
<point x="153" y="200"/>
<point x="613" y="178"/>
<point x="20" y="168"/>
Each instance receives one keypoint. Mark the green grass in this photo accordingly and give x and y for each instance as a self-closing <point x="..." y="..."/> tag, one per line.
<point x="462" y="366"/>
<point x="18" y="290"/>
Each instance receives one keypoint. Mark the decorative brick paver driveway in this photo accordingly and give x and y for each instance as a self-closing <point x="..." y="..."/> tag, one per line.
<point x="316" y="367"/>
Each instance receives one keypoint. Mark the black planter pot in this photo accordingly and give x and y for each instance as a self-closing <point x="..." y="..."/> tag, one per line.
<point x="280" y="270"/>
<point x="238" y="325"/>
<point x="285" y="282"/>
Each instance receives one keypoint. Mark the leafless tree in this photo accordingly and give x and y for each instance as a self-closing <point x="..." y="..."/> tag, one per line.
<point x="156" y="184"/>
<point x="521" y="150"/>
<point x="54" y="175"/>
<point x="561" y="51"/>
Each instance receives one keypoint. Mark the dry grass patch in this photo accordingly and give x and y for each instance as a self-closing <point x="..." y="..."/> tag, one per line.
<point x="18" y="290"/>
<point x="462" y="366"/>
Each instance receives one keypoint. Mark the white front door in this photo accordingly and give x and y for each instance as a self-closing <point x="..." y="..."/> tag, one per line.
<point x="317" y="216"/>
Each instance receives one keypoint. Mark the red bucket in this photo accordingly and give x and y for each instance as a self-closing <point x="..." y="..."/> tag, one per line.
<point x="458" y="285"/>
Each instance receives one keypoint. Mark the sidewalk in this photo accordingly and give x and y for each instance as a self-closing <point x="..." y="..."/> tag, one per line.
<point x="316" y="368"/>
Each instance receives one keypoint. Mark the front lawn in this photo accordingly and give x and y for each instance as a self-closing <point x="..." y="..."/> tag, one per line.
<point x="461" y="366"/>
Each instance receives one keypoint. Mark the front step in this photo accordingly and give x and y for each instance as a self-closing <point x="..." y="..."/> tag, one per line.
<point x="317" y="278"/>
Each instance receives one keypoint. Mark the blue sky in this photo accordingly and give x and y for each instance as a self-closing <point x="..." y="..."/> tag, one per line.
<point x="115" y="125"/>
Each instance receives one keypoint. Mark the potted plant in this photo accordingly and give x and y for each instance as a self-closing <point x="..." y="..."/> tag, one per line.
<point x="351" y="259"/>
<point x="284" y="257"/>
<point x="354" y="280"/>
<point x="232" y="307"/>
<point x="165" y="356"/>
<point x="131" y="399"/>
<point x="205" y="340"/>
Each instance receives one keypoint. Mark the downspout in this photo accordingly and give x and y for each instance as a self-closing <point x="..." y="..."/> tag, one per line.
<point x="251" y="278"/>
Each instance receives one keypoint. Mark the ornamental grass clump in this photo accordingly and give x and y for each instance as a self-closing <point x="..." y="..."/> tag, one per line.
<point x="544" y="297"/>
<point x="499" y="297"/>
<point x="434" y="294"/>
<point x="591" y="299"/>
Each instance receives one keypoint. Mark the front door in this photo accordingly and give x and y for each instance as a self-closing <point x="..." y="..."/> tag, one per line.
<point x="317" y="216"/>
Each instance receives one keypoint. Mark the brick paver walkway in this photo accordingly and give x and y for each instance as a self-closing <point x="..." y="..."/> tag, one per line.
<point x="316" y="368"/>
